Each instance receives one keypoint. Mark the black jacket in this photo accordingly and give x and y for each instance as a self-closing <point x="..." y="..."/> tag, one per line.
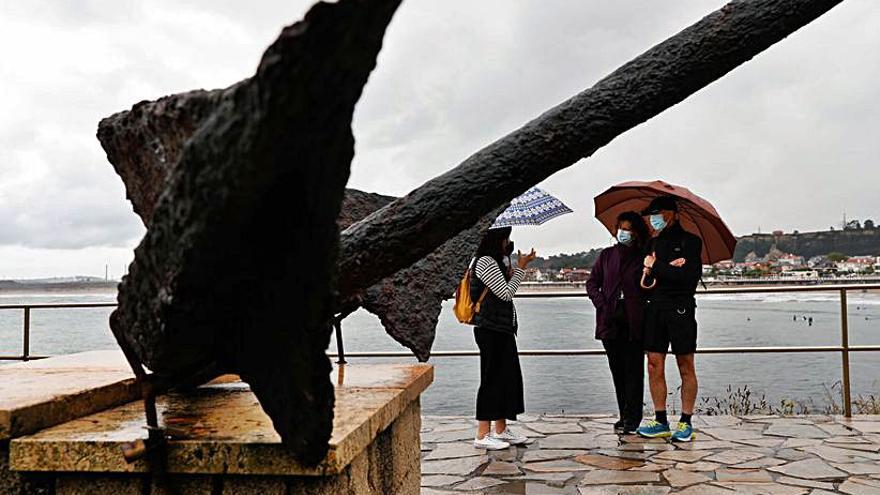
<point x="676" y="284"/>
<point x="495" y="313"/>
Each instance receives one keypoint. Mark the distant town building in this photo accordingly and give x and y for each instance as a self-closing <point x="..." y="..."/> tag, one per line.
<point x="857" y="264"/>
<point x="819" y="262"/>
<point x="578" y="275"/>
<point x="748" y="267"/>
<point x="572" y="275"/>
<point x="788" y="262"/>
<point x="773" y="255"/>
<point x="800" y="274"/>
<point x="724" y="265"/>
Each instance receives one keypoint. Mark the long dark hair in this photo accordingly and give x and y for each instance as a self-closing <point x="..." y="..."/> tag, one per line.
<point x="491" y="246"/>
<point x="639" y="228"/>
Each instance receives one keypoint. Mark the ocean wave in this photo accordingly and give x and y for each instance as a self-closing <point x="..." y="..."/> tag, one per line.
<point x="858" y="299"/>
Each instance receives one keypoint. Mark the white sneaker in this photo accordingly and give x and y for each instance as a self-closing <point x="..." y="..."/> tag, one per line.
<point x="490" y="443"/>
<point x="510" y="437"/>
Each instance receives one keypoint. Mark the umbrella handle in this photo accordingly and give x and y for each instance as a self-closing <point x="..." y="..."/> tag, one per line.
<point x="644" y="284"/>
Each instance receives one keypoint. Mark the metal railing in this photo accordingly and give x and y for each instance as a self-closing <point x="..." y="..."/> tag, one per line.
<point x="26" y="325"/>
<point x="844" y="348"/>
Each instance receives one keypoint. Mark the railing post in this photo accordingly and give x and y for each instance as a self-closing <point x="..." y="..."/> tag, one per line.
<point x="340" y="350"/>
<point x="26" y="336"/>
<point x="844" y="344"/>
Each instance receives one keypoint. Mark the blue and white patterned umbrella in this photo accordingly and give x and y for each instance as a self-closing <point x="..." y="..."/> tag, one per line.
<point x="533" y="207"/>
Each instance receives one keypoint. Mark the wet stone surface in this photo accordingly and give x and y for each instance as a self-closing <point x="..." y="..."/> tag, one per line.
<point x="580" y="455"/>
<point x="220" y="428"/>
<point x="46" y="392"/>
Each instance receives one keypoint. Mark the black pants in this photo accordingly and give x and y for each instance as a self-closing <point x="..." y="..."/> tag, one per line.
<point x="500" y="395"/>
<point x="627" y="362"/>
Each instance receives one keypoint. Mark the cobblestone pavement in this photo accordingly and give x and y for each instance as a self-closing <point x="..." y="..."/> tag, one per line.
<point x="581" y="455"/>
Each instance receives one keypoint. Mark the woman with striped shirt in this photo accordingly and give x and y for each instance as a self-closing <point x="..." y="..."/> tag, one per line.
<point x="500" y="396"/>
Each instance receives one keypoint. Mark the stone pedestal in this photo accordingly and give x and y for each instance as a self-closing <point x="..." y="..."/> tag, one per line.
<point x="224" y="443"/>
<point x="43" y="393"/>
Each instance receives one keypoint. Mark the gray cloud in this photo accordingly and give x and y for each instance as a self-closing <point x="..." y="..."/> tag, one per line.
<point x="785" y="141"/>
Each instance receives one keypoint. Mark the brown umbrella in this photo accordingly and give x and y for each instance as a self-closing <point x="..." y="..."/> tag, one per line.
<point x="698" y="216"/>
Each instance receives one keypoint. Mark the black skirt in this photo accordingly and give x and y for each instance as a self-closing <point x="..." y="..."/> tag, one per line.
<point x="500" y="395"/>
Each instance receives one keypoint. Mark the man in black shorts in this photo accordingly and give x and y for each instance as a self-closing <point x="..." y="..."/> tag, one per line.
<point x="675" y="266"/>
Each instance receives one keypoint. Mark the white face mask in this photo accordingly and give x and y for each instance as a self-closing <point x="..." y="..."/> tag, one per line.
<point x="624" y="237"/>
<point x="658" y="223"/>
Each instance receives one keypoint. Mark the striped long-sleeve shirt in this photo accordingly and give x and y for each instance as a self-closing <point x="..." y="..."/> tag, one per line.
<point x="489" y="273"/>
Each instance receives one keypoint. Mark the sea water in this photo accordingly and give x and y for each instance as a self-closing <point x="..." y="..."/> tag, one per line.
<point x="561" y="383"/>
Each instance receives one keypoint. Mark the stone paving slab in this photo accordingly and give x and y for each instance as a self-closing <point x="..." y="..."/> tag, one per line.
<point x="581" y="455"/>
<point x="536" y="455"/>
<point x="679" y="478"/>
<point x="453" y="451"/>
<point x="46" y="392"/>
<point x="860" y="486"/>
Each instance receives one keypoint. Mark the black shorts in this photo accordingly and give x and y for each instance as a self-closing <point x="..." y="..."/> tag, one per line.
<point x="671" y="324"/>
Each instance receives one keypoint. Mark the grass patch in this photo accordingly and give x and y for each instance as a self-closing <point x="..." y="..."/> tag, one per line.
<point x="741" y="401"/>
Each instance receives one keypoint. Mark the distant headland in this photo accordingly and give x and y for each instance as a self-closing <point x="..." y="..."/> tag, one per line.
<point x="58" y="284"/>
<point x="855" y="239"/>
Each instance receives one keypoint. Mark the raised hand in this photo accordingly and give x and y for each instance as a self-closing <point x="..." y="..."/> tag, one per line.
<point x="524" y="260"/>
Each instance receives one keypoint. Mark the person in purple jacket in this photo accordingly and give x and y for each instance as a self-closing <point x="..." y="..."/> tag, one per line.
<point x="614" y="288"/>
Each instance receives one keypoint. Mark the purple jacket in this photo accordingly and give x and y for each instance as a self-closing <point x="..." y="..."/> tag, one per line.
<point x="619" y="268"/>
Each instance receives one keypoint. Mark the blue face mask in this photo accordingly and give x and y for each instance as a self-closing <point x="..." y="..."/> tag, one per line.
<point x="624" y="237"/>
<point x="657" y="222"/>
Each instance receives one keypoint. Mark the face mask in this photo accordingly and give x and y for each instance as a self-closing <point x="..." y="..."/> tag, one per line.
<point x="624" y="236"/>
<point x="509" y="248"/>
<point x="657" y="222"/>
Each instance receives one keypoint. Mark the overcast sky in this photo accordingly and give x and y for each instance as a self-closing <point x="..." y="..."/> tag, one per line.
<point x="786" y="141"/>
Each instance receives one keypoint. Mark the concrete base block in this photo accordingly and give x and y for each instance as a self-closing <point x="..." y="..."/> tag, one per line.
<point x="13" y="483"/>
<point x="375" y="448"/>
<point x="389" y="466"/>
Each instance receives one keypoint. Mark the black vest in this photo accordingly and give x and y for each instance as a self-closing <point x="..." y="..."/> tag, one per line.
<point x="495" y="314"/>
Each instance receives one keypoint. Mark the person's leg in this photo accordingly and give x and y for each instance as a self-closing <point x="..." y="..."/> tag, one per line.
<point x="510" y="389"/>
<point x="684" y="345"/>
<point x="483" y="428"/>
<point x="617" y="363"/>
<point x="656" y="346"/>
<point x="635" y="384"/>
<point x="688" y="383"/>
<point x="511" y="384"/>
<point x="657" y="380"/>
<point x="484" y="405"/>
<point x="489" y="398"/>
<point x="659" y="428"/>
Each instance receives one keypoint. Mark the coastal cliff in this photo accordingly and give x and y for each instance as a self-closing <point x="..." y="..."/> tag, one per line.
<point x="852" y="242"/>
